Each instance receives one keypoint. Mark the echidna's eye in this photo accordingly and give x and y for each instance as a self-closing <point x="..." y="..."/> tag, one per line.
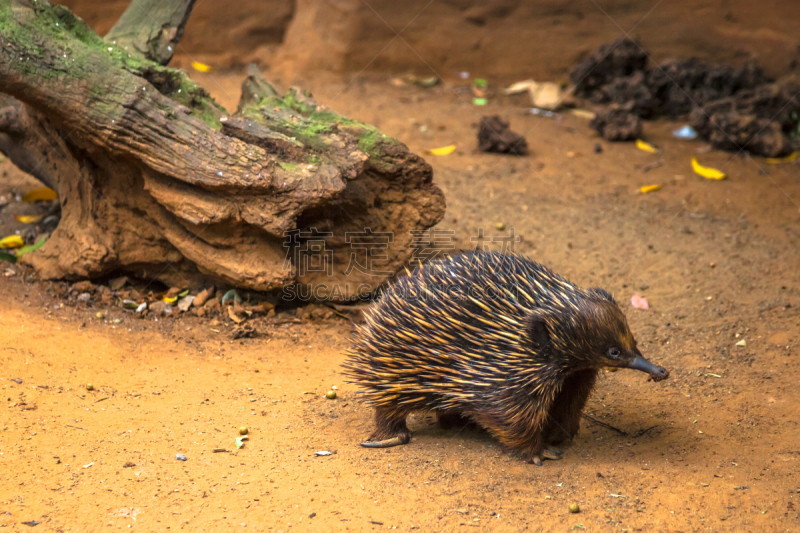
<point x="613" y="353"/>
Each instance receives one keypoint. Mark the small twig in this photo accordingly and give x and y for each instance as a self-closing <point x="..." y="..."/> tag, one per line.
<point x="608" y="426"/>
<point x="651" y="166"/>
<point x="643" y="431"/>
<point x="101" y="399"/>
<point x="76" y="427"/>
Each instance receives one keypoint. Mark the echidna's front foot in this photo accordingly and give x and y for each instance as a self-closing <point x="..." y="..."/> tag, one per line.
<point x="391" y="430"/>
<point x="387" y="443"/>
<point x="548" y="452"/>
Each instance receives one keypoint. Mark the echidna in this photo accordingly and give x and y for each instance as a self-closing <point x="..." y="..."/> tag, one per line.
<point x="497" y="339"/>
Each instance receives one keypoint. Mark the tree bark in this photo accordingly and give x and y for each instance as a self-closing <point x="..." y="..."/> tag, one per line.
<point x="156" y="179"/>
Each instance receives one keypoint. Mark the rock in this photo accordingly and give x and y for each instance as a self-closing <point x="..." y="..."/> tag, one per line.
<point x="83" y="286"/>
<point x="161" y="308"/>
<point x="84" y="297"/>
<point x="185" y="302"/>
<point x="495" y="136"/>
<point x="617" y="124"/>
<point x="173" y="292"/>
<point x="212" y="305"/>
<point x="203" y="297"/>
<point x="117" y="283"/>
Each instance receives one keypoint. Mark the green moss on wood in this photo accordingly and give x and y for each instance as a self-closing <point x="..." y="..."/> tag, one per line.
<point x="81" y="54"/>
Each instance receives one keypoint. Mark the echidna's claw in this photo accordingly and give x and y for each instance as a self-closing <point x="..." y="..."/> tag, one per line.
<point x="549" y="452"/>
<point x="553" y="453"/>
<point x="386" y="443"/>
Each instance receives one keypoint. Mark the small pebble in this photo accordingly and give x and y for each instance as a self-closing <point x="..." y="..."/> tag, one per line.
<point x="573" y="508"/>
<point x="243" y="430"/>
<point x="331" y="395"/>
<point x="598" y="148"/>
<point x="180" y="457"/>
<point x="500" y="226"/>
<point x="89" y="386"/>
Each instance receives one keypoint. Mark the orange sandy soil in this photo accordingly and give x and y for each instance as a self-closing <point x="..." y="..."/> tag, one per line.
<point x="718" y="445"/>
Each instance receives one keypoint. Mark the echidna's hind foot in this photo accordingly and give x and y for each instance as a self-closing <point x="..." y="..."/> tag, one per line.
<point x="548" y="452"/>
<point x="391" y="429"/>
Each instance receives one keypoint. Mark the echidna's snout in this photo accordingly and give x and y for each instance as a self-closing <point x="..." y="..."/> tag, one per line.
<point x="657" y="373"/>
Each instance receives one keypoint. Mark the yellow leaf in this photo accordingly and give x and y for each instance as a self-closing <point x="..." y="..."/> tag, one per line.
<point x="28" y="219"/>
<point x="445" y="150"/>
<point x="707" y="172"/>
<point x="582" y="113"/>
<point x="778" y="160"/>
<point x="12" y="241"/>
<point x="169" y="300"/>
<point x="200" y="67"/>
<point x="45" y="193"/>
<point x="650" y="188"/>
<point x="646" y="147"/>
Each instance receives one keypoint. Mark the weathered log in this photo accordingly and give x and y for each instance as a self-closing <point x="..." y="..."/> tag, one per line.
<point x="156" y="179"/>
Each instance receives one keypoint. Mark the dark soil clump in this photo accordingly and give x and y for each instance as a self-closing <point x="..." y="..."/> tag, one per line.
<point x="495" y="136"/>
<point x="734" y="108"/>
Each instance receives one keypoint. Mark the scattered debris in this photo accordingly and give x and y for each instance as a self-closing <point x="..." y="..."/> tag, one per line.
<point x="444" y="150"/>
<point x="231" y="296"/>
<point x="129" y="464"/>
<point x="495" y="136"/>
<point x="220" y="450"/>
<point x="323" y="453"/>
<point x="617" y="124"/>
<point x="731" y="107"/>
<point x="649" y="188"/>
<point x="685" y="132"/>
<point x="707" y="172"/>
<point x="646" y="147"/>
<point x="779" y="160"/>
<point x="243" y="331"/>
<point x="12" y="241"/>
<point x="200" y="67"/>
<point x="185" y="302"/>
<point x="650" y="166"/>
<point x="17" y="381"/>
<point x="161" y="308"/>
<point x="87" y="466"/>
<point x="544" y="95"/>
<point x="44" y="194"/>
<point x="117" y="283"/>
<point x="203" y="297"/>
<point x="31" y="523"/>
<point x="240" y="441"/>
<point x="639" y="302"/>
<point x="180" y="457"/>
<point x="742" y="343"/>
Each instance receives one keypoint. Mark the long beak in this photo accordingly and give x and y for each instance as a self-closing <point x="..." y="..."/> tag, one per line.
<point x="640" y="363"/>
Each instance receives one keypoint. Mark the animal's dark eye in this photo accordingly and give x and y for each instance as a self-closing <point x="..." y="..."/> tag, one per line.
<point x="613" y="353"/>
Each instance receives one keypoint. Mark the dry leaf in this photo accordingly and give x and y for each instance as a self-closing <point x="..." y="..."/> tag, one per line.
<point x="45" y="193"/>
<point x="445" y="150"/>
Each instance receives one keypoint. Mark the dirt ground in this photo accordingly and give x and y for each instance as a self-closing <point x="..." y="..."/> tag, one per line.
<point x="713" y="448"/>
